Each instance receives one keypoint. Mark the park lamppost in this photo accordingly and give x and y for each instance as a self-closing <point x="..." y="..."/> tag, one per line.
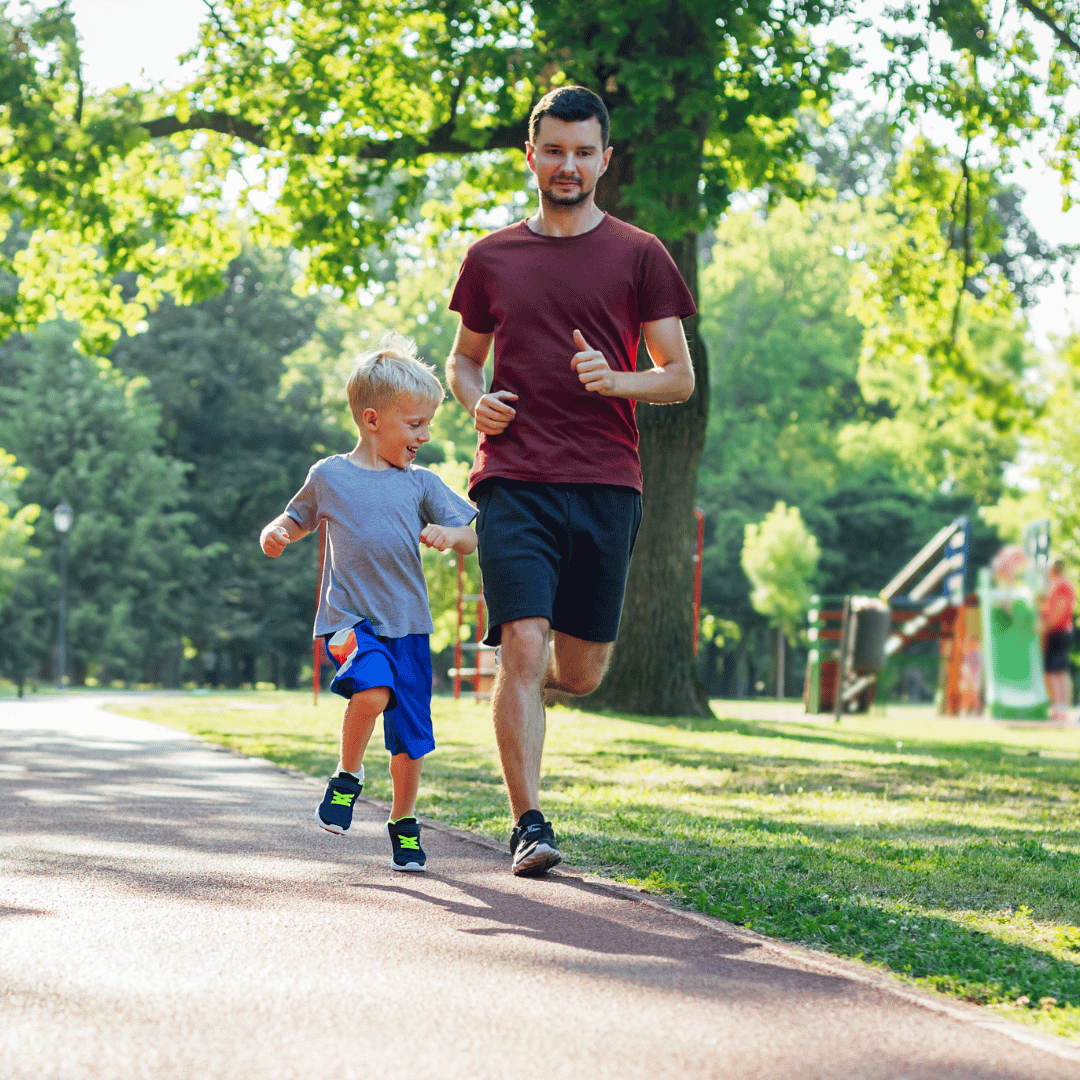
<point x="63" y="516"/>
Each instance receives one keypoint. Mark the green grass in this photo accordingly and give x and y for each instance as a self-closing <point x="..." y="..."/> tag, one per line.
<point x="947" y="852"/>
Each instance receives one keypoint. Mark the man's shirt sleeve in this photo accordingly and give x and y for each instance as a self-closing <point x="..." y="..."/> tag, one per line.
<point x="470" y="297"/>
<point x="662" y="292"/>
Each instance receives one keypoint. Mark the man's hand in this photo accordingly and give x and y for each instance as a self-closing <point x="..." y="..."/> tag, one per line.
<point x="492" y="414"/>
<point x="274" y="540"/>
<point x="592" y="368"/>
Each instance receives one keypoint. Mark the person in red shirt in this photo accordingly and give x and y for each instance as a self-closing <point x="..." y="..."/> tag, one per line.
<point x="564" y="296"/>
<point x="1058" y="607"/>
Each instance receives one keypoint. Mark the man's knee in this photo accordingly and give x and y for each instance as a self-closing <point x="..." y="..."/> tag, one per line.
<point x="580" y="682"/>
<point x="523" y="648"/>
<point x="579" y="666"/>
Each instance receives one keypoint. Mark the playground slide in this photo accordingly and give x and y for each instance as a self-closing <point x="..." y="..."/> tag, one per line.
<point x="1015" y="687"/>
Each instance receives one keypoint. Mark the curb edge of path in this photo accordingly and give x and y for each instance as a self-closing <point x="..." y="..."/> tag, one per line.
<point x="826" y="963"/>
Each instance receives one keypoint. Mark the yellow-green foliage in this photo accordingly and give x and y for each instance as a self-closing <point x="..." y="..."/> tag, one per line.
<point x="779" y="556"/>
<point x="16" y="522"/>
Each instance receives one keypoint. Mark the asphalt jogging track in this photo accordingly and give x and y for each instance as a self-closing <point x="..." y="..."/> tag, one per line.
<point x="169" y="910"/>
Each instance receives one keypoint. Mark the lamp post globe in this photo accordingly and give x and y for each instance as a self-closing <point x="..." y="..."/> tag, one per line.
<point x="63" y="516"/>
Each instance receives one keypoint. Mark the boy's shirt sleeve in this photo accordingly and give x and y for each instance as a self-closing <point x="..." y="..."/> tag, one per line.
<point x="441" y="506"/>
<point x="303" y="507"/>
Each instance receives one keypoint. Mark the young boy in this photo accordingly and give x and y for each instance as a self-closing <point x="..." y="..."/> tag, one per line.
<point x="373" y="609"/>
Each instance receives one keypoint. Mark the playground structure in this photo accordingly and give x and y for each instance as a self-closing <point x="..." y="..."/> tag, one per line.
<point x="482" y="671"/>
<point x="1008" y="599"/>
<point x="990" y="655"/>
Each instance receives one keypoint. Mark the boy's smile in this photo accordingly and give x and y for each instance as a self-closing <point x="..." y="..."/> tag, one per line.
<point x="394" y="433"/>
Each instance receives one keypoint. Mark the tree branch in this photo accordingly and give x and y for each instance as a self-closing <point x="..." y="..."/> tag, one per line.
<point x="967" y="246"/>
<point x="208" y="121"/>
<point x="439" y="141"/>
<point x="219" y="24"/>
<point x="1048" y="20"/>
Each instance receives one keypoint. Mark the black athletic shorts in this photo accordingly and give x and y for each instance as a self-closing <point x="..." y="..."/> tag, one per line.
<point x="560" y="552"/>
<point x="1058" y="647"/>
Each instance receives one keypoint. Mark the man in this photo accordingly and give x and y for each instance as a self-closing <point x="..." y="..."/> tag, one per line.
<point x="565" y="297"/>
<point x="1058" y="607"/>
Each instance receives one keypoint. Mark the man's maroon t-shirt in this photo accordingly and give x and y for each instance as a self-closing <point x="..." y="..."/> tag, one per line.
<point x="532" y="292"/>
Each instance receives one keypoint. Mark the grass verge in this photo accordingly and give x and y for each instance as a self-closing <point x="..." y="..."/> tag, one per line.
<point x="947" y="852"/>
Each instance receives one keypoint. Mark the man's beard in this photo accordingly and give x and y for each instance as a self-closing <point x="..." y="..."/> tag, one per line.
<point x="569" y="200"/>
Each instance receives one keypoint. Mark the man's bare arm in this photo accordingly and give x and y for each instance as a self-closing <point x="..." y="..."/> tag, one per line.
<point x="671" y="380"/>
<point x="491" y="413"/>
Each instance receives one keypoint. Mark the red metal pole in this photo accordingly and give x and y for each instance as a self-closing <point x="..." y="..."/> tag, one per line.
<point x="460" y="619"/>
<point x="317" y="645"/>
<point x="697" y="573"/>
<point x="479" y="638"/>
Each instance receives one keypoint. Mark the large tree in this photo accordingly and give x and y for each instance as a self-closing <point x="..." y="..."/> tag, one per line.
<point x="89" y="437"/>
<point x="248" y="428"/>
<point x="355" y="108"/>
<point x="355" y="114"/>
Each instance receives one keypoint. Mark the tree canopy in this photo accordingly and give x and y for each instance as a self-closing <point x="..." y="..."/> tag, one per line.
<point x="351" y="131"/>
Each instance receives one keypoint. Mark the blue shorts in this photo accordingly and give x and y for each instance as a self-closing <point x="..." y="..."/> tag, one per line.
<point x="364" y="661"/>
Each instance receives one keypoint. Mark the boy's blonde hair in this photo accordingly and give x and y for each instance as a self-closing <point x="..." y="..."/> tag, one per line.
<point x="392" y="371"/>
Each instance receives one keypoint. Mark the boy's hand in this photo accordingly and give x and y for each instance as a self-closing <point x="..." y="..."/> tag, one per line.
<point x="274" y="541"/>
<point x="435" y="536"/>
<point x="592" y="368"/>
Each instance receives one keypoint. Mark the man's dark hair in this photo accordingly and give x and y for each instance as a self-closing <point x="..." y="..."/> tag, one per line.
<point x="571" y="103"/>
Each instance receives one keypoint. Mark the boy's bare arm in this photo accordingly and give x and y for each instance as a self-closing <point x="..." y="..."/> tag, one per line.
<point x="461" y="539"/>
<point x="279" y="534"/>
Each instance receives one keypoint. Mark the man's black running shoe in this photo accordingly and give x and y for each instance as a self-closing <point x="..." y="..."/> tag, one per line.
<point x="532" y="844"/>
<point x="405" y="836"/>
<point x="335" y="810"/>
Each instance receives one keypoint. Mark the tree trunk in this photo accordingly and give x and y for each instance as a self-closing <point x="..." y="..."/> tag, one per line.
<point x="652" y="669"/>
<point x="780" y="665"/>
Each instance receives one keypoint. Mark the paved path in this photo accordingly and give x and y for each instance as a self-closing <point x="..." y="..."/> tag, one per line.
<point x="169" y="911"/>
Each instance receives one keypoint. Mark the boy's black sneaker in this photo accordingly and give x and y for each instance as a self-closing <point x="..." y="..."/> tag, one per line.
<point x="532" y="844"/>
<point x="335" y="810"/>
<point x="405" y="836"/>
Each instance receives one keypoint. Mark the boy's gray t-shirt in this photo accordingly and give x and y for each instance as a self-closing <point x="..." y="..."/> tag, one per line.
<point x="373" y="523"/>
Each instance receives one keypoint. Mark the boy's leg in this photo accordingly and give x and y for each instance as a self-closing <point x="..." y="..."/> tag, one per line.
<point x="408" y="738"/>
<point x="363" y="709"/>
<point x="336" y="809"/>
<point x="405" y="776"/>
<point x="403" y="828"/>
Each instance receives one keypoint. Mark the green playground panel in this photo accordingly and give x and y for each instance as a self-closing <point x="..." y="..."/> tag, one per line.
<point x="1012" y="652"/>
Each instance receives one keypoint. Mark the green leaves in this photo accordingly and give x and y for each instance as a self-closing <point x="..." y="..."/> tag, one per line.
<point x="16" y="523"/>
<point x="89" y="437"/>
<point x="93" y="197"/>
<point x="780" y="556"/>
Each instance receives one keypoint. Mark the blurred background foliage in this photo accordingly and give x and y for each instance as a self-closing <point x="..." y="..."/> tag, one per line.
<point x="175" y="340"/>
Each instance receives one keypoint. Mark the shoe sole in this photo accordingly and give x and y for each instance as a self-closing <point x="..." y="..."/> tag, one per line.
<point x="336" y="830"/>
<point x="537" y="862"/>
